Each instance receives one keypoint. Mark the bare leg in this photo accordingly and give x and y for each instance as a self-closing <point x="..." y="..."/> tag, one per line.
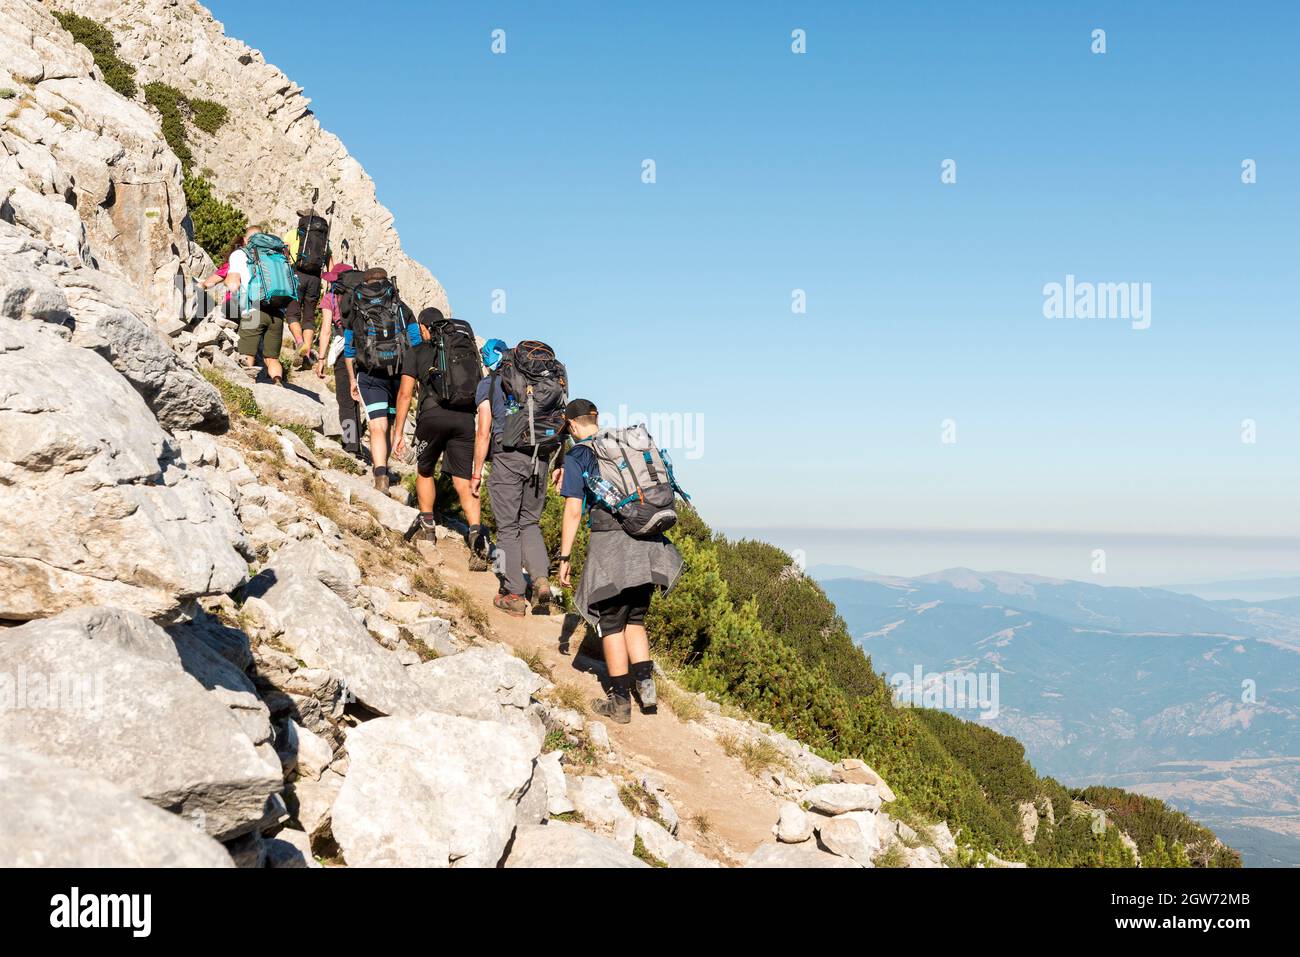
<point x="379" y="443"/>
<point x="637" y="643"/>
<point x="468" y="503"/>
<point x="273" y="367"/>
<point x="616" y="654"/>
<point x="425" y="492"/>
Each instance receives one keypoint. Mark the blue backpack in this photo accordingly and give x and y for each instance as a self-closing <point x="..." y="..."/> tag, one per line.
<point x="271" y="280"/>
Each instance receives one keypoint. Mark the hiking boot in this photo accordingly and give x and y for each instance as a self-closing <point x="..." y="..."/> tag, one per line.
<point x="542" y="597"/>
<point x="618" y="710"/>
<point x="476" y="541"/>
<point x="648" y="695"/>
<point x="428" y="527"/>
<point x="512" y="605"/>
<point x="381" y="481"/>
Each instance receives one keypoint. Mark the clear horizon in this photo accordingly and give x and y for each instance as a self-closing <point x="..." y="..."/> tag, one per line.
<point x="820" y="174"/>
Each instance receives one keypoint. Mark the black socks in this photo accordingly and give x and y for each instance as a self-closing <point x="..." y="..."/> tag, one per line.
<point x="643" y="670"/>
<point x="379" y="470"/>
<point x="622" y="685"/>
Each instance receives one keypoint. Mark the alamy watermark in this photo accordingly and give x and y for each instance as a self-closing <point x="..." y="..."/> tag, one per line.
<point x="948" y="690"/>
<point x="1129" y="301"/>
<point x="675" y="431"/>
<point x="25" y="690"/>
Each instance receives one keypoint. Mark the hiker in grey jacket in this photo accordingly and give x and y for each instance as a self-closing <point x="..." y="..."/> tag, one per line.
<point x="620" y="575"/>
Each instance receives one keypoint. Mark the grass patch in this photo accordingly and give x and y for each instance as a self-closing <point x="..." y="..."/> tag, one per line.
<point x="893" y="857"/>
<point x="640" y="853"/>
<point x="568" y="817"/>
<point x="702" y="822"/>
<point x="307" y="435"/>
<point x="324" y="498"/>
<point x="684" y="704"/>
<point x="536" y="664"/>
<point x="636" y="799"/>
<point x="578" y="753"/>
<point x="343" y="462"/>
<point x="756" y="754"/>
<point x="568" y="695"/>
<point x="7" y="94"/>
<point x="428" y="581"/>
<point x="239" y="399"/>
<point x="101" y="43"/>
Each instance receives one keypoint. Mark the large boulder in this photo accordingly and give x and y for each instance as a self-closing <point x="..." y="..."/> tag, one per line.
<point x="841" y="798"/>
<point x="107" y="692"/>
<point x="94" y="506"/>
<point x="57" y="816"/>
<point x="478" y="682"/>
<point x="436" y="790"/>
<point x="556" y="844"/>
<point x="804" y="855"/>
<point x="320" y="630"/>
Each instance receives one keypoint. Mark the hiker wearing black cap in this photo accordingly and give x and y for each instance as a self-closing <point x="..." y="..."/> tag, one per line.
<point x="446" y="367"/>
<point x="333" y="323"/>
<point x="628" y="558"/>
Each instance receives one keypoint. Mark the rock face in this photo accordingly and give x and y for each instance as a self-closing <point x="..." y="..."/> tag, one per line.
<point x="436" y="790"/>
<point x="271" y="152"/>
<point x="556" y="844"/>
<point x="94" y="507"/>
<point x="107" y="692"/>
<point x="59" y="817"/>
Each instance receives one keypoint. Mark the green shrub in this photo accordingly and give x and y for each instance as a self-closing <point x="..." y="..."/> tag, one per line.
<point x="99" y="40"/>
<point x="239" y="399"/>
<point x="168" y="100"/>
<point x="6" y="93"/>
<point x="208" y="115"/>
<point x="216" y="223"/>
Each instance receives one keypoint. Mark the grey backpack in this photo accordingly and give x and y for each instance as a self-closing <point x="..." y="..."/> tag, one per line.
<point x="635" y="480"/>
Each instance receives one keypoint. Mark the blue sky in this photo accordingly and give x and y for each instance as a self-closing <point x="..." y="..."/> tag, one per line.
<point x="821" y="172"/>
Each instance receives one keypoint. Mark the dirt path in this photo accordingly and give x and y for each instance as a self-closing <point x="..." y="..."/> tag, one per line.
<point x="703" y="781"/>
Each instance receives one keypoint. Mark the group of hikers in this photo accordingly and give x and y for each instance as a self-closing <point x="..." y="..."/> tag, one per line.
<point x="488" y="409"/>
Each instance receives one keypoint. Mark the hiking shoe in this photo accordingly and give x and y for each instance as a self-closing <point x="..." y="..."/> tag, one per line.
<point x="512" y="605"/>
<point x="428" y="530"/>
<point x="618" y="710"/>
<point x="381" y="481"/>
<point x="648" y="695"/>
<point x="542" y="597"/>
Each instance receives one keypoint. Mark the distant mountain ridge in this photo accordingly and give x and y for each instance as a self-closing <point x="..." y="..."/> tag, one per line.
<point x="1108" y="683"/>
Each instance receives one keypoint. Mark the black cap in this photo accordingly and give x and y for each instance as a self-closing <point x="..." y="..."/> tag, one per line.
<point x="577" y="408"/>
<point x="430" y="316"/>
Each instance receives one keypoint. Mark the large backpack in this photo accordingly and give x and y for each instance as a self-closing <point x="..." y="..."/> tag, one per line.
<point x="313" y="244"/>
<point x="271" y="281"/>
<point x="634" y="480"/>
<point x="343" y="288"/>
<point x="456" y="372"/>
<point x="378" y="330"/>
<point x="536" y="387"/>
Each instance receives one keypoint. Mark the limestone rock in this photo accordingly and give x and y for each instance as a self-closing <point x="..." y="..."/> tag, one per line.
<point x="855" y="771"/>
<point x="557" y="787"/>
<point x="337" y="571"/>
<point x="840" y="798"/>
<point x="478" y="682"/>
<point x="852" y="835"/>
<point x="133" y="530"/>
<point x="57" y="816"/>
<point x="794" y="826"/>
<point x="132" y="715"/>
<point x="556" y="844"/>
<point x="802" y="855"/>
<point x="436" y="790"/>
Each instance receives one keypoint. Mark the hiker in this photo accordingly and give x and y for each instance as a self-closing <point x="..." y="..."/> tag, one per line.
<point x="380" y="328"/>
<point x="259" y="272"/>
<point x="218" y="278"/>
<point x="309" y="252"/>
<point x="331" y="352"/>
<point x="627" y="487"/>
<point x="447" y="368"/>
<point x="520" y="421"/>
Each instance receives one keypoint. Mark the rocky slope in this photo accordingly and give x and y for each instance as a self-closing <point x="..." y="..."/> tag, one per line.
<point x="215" y="646"/>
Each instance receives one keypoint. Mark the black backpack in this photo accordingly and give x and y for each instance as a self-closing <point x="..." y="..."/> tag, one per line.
<point x="456" y="372"/>
<point x="313" y="244"/>
<point x="536" y="388"/>
<point x="343" y="288"/>
<point x="378" y="328"/>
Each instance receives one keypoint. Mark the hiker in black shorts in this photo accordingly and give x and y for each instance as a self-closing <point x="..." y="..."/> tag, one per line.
<point x="621" y="573"/>
<point x="444" y="426"/>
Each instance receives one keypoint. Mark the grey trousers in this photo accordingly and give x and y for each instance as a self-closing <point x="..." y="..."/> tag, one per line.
<point x="517" y="502"/>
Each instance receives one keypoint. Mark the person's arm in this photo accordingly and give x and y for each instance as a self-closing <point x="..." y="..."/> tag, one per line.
<point x="404" y="393"/>
<point x="568" y="533"/>
<point x="482" y="441"/>
<point x="349" y="362"/>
